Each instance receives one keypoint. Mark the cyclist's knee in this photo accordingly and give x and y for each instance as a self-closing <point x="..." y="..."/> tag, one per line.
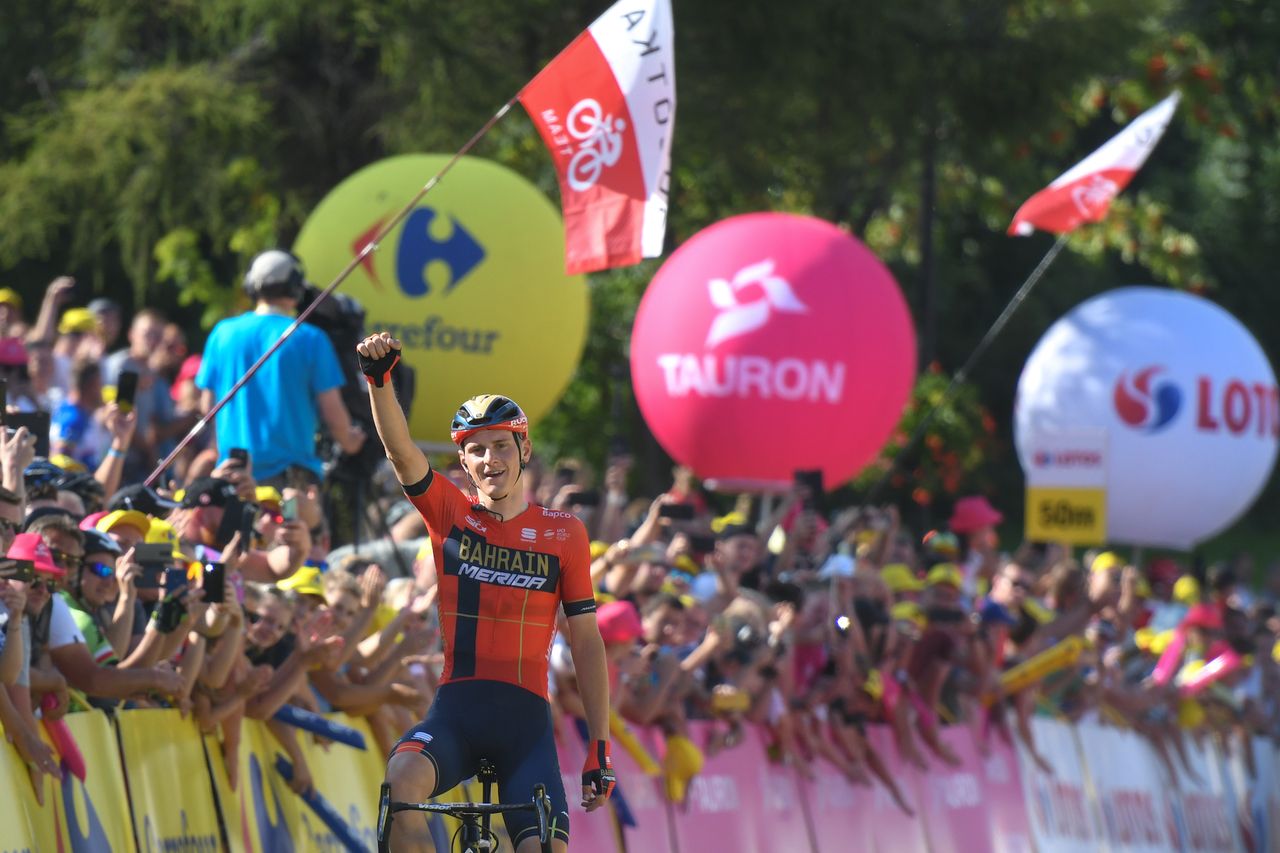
<point x="412" y="777"/>
<point x="531" y="845"/>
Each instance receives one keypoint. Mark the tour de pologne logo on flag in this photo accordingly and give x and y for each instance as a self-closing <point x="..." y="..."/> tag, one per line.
<point x="1092" y="197"/>
<point x="599" y="139"/>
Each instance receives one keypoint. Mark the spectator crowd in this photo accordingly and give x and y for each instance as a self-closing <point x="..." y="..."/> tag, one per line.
<point x="228" y="598"/>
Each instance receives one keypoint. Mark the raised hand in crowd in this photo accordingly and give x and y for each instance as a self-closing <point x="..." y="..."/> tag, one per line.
<point x="17" y="450"/>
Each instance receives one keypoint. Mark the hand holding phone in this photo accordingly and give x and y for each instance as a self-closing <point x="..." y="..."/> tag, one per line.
<point x="676" y="511"/>
<point x="240" y="455"/>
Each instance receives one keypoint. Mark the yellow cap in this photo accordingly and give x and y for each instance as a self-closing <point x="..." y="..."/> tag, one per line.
<point x="1186" y="590"/>
<point x="159" y="532"/>
<point x="9" y="296"/>
<point x="1275" y="652"/>
<point x="267" y="496"/>
<point x="1142" y="588"/>
<point x="1107" y="560"/>
<point x="598" y="549"/>
<point x="899" y="578"/>
<point x="1160" y="642"/>
<point x="66" y="463"/>
<point x="908" y="611"/>
<point x="874" y="685"/>
<point x="129" y="518"/>
<point x="1143" y="637"/>
<point x="948" y="573"/>
<point x="733" y="518"/>
<point x="687" y="564"/>
<point x="305" y="581"/>
<point x="77" y="321"/>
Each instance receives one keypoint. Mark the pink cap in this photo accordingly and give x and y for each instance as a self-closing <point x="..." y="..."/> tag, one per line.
<point x="974" y="513"/>
<point x="619" y="622"/>
<point x="30" y="546"/>
<point x="187" y="372"/>
<point x="89" y="522"/>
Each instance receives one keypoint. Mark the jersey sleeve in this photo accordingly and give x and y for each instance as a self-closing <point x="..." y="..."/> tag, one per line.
<point x="438" y="501"/>
<point x="575" y="573"/>
<point x="62" y="627"/>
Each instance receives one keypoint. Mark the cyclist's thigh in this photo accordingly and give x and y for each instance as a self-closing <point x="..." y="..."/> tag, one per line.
<point x="529" y="758"/>
<point x="441" y="739"/>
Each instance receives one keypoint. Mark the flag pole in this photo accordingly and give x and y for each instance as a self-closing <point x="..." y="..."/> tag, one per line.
<point x="369" y="248"/>
<point x="963" y="373"/>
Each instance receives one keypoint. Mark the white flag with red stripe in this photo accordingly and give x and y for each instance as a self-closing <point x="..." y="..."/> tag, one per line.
<point x="1085" y="191"/>
<point x="606" y="107"/>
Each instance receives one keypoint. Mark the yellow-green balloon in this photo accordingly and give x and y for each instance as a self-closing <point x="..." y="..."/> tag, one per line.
<point x="472" y="282"/>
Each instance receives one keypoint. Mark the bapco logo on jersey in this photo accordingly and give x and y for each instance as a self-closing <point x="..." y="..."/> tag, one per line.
<point x="747" y="302"/>
<point x="1145" y="403"/>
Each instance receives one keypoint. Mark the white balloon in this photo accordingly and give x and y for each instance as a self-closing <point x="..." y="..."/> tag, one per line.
<point x="1185" y="396"/>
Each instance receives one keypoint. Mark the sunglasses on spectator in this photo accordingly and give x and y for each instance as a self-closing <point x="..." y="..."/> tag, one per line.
<point x="43" y="583"/>
<point x="100" y="570"/>
<point x="1019" y="583"/>
<point x="69" y="561"/>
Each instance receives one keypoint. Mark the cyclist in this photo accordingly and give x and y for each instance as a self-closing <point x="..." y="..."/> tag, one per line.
<point x="503" y="566"/>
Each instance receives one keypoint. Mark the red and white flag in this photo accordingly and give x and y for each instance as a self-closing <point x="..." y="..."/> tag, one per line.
<point x="606" y="107"/>
<point x="1084" y="192"/>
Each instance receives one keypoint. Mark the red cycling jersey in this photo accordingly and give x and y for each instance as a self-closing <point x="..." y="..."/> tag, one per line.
<point x="500" y="583"/>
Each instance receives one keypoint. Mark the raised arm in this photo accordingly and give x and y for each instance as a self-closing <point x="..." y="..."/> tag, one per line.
<point x="378" y="354"/>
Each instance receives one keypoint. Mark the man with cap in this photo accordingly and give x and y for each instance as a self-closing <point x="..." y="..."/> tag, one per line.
<point x="975" y="519"/>
<point x="11" y="319"/>
<point x="211" y="514"/>
<point x="736" y="552"/>
<point x="275" y="415"/>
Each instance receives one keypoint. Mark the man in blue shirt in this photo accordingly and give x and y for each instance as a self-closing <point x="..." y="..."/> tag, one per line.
<point x="275" y="415"/>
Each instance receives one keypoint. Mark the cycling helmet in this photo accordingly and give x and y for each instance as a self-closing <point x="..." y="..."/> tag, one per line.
<point x="84" y="485"/>
<point x="275" y="274"/>
<point x="97" y="542"/>
<point x="487" y="411"/>
<point x="41" y="478"/>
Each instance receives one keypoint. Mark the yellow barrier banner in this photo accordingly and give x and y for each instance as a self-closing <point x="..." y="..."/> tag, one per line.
<point x="254" y="810"/>
<point x="18" y="804"/>
<point x="96" y="811"/>
<point x="348" y="778"/>
<point x="173" y="805"/>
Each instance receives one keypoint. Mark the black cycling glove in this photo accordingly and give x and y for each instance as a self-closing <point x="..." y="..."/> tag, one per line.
<point x="378" y="370"/>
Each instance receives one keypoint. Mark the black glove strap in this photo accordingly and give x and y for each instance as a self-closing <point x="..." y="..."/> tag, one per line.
<point x="378" y="370"/>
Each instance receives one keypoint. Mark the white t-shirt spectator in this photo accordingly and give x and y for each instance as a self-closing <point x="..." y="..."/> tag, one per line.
<point x="62" y="627"/>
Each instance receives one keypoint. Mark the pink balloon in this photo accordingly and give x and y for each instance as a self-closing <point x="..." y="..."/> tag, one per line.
<point x="769" y="343"/>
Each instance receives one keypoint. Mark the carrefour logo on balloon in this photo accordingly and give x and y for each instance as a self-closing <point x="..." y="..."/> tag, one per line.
<point x="1149" y="400"/>
<point x="750" y="300"/>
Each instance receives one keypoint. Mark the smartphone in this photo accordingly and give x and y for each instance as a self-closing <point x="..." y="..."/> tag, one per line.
<point x="587" y="497"/>
<point x="17" y="570"/>
<point x="37" y="423"/>
<point x="153" y="554"/>
<point x="811" y="481"/>
<point x="248" y="513"/>
<point x="702" y="543"/>
<point x="213" y="582"/>
<point x="676" y="512"/>
<point x="126" y="389"/>
<point x="149" y="578"/>
<point x="175" y="580"/>
<point x="289" y="508"/>
<point x="239" y="454"/>
<point x="4" y="399"/>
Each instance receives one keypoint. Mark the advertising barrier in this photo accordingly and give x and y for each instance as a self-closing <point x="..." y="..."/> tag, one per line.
<point x="154" y="784"/>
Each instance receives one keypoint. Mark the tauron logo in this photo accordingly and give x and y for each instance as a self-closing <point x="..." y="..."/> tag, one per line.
<point x="737" y="318"/>
<point x="1145" y="402"/>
